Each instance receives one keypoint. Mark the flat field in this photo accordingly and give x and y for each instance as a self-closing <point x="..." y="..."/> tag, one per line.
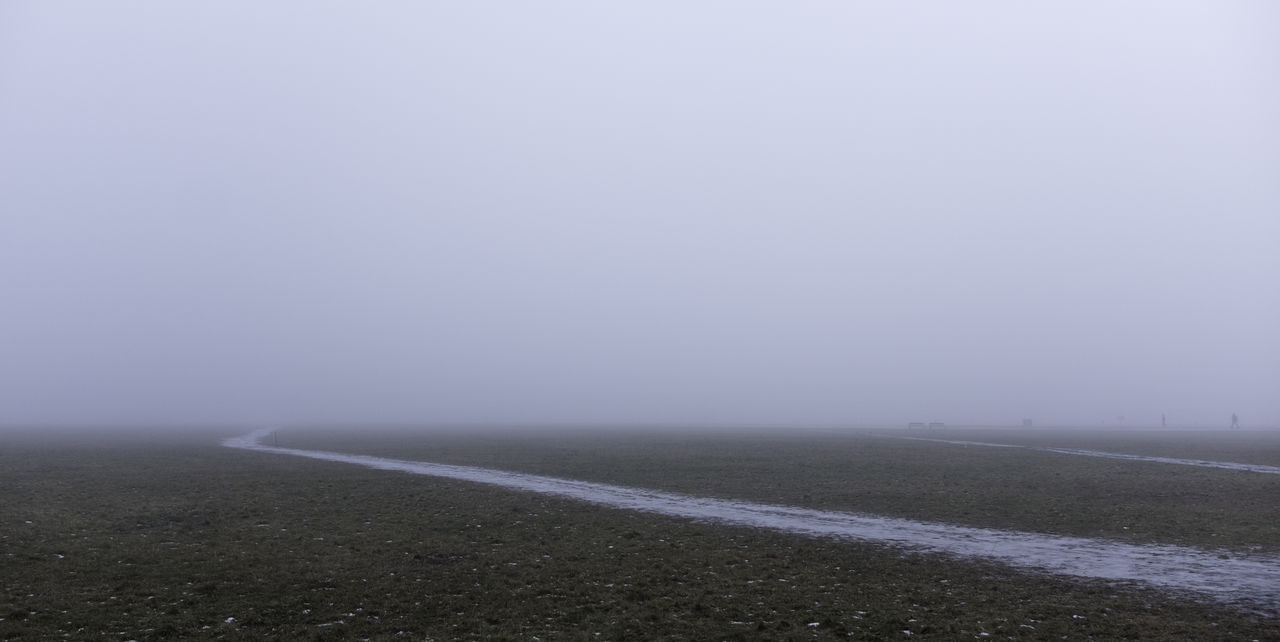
<point x="880" y="472"/>
<point x="165" y="535"/>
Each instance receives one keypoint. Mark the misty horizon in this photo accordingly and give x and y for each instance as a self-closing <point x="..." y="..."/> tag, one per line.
<point x="572" y="214"/>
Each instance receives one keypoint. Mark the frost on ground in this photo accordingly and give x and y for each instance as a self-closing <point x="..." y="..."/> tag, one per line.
<point x="1229" y="465"/>
<point x="1252" y="581"/>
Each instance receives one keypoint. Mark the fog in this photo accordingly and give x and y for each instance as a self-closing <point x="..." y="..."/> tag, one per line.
<point x="596" y="213"/>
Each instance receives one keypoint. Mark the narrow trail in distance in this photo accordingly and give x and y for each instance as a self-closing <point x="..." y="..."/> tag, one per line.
<point x="1248" y="581"/>
<point x="1229" y="465"/>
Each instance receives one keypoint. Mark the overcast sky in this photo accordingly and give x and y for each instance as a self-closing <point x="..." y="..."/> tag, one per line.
<point x="671" y="212"/>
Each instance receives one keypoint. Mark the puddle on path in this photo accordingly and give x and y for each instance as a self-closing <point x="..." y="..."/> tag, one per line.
<point x="1249" y="581"/>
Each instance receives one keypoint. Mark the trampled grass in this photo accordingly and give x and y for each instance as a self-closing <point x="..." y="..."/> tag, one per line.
<point x="167" y="537"/>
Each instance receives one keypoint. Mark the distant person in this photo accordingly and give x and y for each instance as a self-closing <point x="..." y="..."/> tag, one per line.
<point x="1235" y="421"/>
<point x="1163" y="423"/>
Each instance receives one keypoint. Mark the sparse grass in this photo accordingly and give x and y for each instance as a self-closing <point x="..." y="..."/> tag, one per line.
<point x="168" y="538"/>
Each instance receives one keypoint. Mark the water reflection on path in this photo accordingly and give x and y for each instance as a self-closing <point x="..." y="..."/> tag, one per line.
<point x="1251" y="581"/>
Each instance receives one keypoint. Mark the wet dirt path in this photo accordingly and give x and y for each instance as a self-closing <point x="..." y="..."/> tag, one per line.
<point x="1251" y="581"/>
<point x="1228" y="465"/>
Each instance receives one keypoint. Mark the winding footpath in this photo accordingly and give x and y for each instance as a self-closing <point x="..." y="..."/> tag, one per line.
<point x="1251" y="581"/>
<point x="1228" y="465"/>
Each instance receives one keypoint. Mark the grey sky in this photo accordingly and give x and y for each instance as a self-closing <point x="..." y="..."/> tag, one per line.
<point x="655" y="212"/>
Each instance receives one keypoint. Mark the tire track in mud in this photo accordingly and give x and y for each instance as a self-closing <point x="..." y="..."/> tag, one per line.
<point x="1203" y="463"/>
<point x="1248" y="581"/>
